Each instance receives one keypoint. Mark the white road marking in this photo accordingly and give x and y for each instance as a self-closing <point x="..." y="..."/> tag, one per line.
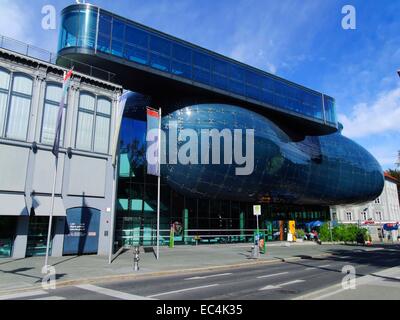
<point x="110" y="292"/>
<point x="324" y="266"/>
<point x="277" y="286"/>
<point x="310" y="268"/>
<point x="210" y="276"/>
<point x="272" y="275"/>
<point x="23" y="295"/>
<point x="182" y="290"/>
<point x="50" y="298"/>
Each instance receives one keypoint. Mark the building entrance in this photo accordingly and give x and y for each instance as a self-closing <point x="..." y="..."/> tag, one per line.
<point x="136" y="231"/>
<point x="37" y="236"/>
<point x="7" y="234"/>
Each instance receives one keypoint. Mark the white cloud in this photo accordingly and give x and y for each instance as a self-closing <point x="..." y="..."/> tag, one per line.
<point x="378" y="117"/>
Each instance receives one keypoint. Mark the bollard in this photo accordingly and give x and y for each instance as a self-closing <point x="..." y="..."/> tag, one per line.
<point x="136" y="259"/>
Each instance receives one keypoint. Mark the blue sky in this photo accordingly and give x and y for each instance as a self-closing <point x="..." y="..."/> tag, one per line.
<point x="302" y="41"/>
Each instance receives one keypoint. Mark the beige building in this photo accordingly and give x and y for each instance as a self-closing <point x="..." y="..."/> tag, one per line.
<point x="384" y="210"/>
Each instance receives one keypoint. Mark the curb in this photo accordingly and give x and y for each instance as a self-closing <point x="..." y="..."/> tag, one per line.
<point x="129" y="276"/>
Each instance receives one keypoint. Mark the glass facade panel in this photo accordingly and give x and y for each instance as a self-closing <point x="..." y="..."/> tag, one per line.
<point x="103" y="43"/>
<point x="220" y="67"/>
<point x="135" y="36"/>
<point x="160" y="45"/>
<point x="201" y="76"/>
<point x="181" y="53"/>
<point x="159" y="62"/>
<point x="118" y="30"/>
<point x="117" y="48"/>
<point x="181" y="69"/>
<point x="135" y="54"/>
<point x="137" y="44"/>
<point x="201" y="60"/>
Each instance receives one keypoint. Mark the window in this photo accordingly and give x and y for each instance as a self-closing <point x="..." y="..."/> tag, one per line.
<point x="377" y="201"/>
<point x="363" y="215"/>
<point x="102" y="131"/>
<point x="19" y="107"/>
<point x="50" y="111"/>
<point x="4" y="86"/>
<point x="378" y="215"/>
<point x="348" y="216"/>
<point x="93" y="127"/>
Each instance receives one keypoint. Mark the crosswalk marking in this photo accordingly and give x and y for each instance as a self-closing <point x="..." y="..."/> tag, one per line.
<point x="23" y="295"/>
<point x="110" y="292"/>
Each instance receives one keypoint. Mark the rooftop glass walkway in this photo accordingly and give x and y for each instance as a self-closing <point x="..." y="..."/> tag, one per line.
<point x="93" y="29"/>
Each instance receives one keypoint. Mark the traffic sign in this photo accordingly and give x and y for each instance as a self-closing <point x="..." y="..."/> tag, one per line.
<point x="257" y="210"/>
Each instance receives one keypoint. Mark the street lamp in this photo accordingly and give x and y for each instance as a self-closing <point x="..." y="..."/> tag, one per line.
<point x="398" y="72"/>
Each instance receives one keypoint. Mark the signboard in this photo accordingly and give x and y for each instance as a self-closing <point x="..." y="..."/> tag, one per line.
<point x="257" y="210"/>
<point x="81" y="231"/>
<point x="390" y="226"/>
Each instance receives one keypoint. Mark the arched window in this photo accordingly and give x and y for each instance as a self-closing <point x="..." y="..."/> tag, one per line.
<point x="4" y="88"/>
<point x="19" y="107"/>
<point x="50" y="110"/>
<point x="94" y="118"/>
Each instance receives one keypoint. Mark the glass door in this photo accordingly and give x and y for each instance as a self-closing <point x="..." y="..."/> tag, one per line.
<point x="37" y="236"/>
<point x="7" y="234"/>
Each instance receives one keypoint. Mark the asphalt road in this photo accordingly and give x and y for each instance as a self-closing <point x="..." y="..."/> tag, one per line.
<point x="282" y="280"/>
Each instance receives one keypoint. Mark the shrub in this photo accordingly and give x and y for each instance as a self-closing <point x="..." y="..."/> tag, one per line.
<point x="300" y="233"/>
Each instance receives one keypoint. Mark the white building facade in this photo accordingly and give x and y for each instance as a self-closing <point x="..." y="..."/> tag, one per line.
<point x="378" y="215"/>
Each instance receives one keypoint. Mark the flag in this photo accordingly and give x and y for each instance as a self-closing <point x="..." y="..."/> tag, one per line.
<point x="153" y="145"/>
<point x="66" y="84"/>
<point x="118" y="121"/>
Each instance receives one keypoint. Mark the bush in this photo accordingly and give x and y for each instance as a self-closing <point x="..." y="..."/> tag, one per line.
<point x="300" y="233"/>
<point x="324" y="232"/>
<point x="343" y="232"/>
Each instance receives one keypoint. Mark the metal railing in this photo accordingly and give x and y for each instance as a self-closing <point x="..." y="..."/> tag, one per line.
<point x="53" y="58"/>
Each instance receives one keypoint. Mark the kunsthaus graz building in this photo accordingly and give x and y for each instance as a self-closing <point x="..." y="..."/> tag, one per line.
<point x="301" y="163"/>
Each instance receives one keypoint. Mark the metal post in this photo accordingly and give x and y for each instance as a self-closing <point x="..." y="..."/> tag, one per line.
<point x="112" y="220"/>
<point x="51" y="212"/>
<point x="331" y="222"/>
<point x="159" y="184"/>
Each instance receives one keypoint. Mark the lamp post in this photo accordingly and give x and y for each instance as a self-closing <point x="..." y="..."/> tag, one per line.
<point x="398" y="72"/>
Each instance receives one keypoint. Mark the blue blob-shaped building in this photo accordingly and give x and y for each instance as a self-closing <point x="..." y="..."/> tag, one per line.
<point x="322" y="170"/>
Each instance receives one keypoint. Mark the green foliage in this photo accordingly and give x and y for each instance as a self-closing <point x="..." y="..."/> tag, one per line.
<point x="343" y="232"/>
<point x="324" y="232"/>
<point x="300" y="233"/>
<point x="394" y="173"/>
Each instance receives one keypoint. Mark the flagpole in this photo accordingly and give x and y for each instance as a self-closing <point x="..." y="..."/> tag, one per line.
<point x="159" y="184"/>
<point x="51" y="212"/>
<point x="55" y="151"/>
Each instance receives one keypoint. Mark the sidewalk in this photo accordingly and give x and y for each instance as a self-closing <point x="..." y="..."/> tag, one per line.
<point x="382" y="285"/>
<point x="26" y="273"/>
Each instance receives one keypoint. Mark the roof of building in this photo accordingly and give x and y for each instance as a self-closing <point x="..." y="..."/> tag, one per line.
<point x="390" y="177"/>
